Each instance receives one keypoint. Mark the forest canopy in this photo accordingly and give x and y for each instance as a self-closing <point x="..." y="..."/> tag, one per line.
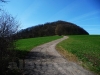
<point x="52" y="28"/>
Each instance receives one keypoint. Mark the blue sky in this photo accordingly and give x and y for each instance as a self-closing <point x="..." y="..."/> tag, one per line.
<point x="84" y="13"/>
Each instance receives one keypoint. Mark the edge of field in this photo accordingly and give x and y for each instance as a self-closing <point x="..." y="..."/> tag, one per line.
<point x="24" y="46"/>
<point x="73" y="58"/>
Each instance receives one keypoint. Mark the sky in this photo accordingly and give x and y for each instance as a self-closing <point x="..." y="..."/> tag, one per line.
<point x="84" y="13"/>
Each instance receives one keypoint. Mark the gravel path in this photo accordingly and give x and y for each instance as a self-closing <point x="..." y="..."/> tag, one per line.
<point x="45" y="60"/>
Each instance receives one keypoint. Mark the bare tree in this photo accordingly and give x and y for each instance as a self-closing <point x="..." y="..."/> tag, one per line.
<point x="8" y="27"/>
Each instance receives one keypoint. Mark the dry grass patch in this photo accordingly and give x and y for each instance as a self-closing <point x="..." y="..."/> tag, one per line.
<point x="85" y="47"/>
<point x="67" y="55"/>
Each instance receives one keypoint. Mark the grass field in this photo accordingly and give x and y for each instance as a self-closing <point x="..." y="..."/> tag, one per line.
<point x="84" y="47"/>
<point x="25" y="45"/>
<point x="28" y="44"/>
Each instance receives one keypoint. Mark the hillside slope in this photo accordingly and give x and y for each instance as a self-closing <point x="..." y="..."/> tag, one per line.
<point x="52" y="28"/>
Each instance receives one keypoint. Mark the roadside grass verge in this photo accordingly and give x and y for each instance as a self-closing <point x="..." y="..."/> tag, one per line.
<point x="85" y="48"/>
<point x="23" y="46"/>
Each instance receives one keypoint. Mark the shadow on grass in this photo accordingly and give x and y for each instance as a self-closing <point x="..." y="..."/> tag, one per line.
<point x="21" y="53"/>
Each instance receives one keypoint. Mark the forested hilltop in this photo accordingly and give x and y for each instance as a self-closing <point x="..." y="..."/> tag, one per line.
<point x="52" y="28"/>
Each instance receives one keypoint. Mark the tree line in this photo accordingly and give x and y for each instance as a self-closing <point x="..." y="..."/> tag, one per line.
<point x="51" y="28"/>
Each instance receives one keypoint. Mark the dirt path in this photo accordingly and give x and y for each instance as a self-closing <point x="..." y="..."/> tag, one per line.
<point x="45" y="60"/>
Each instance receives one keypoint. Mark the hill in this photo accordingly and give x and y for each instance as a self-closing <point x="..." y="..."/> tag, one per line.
<point x="52" y="28"/>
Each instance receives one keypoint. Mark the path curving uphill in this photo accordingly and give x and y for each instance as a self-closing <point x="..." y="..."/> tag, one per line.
<point x="45" y="60"/>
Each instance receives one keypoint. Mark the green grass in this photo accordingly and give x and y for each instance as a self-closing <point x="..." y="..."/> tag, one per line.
<point x="28" y="44"/>
<point x="23" y="46"/>
<point x="86" y="48"/>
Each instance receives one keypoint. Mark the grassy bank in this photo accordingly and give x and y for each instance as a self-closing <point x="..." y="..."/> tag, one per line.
<point x="84" y="47"/>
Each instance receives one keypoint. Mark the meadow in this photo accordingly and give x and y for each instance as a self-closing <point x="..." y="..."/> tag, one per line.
<point x="85" y="48"/>
<point x="28" y="44"/>
<point x="23" y="46"/>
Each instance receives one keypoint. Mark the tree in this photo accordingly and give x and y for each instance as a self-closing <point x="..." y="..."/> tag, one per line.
<point x="52" y="28"/>
<point x="8" y="27"/>
<point x="59" y="30"/>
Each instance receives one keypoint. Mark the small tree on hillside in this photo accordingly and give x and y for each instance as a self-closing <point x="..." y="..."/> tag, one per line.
<point x="59" y="30"/>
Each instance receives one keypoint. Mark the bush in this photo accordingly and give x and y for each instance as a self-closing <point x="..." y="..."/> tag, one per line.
<point x="8" y="27"/>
